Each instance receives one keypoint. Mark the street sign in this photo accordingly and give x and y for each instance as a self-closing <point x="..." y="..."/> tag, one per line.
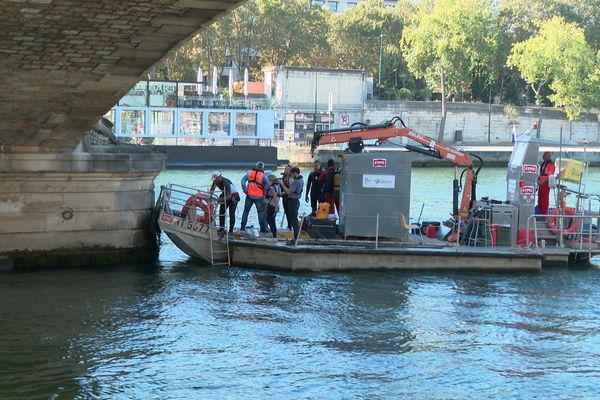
<point x="344" y="120"/>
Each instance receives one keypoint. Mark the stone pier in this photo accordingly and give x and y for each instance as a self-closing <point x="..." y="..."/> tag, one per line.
<point x="75" y="208"/>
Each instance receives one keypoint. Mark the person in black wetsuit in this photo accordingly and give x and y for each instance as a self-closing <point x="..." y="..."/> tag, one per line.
<point x="314" y="187"/>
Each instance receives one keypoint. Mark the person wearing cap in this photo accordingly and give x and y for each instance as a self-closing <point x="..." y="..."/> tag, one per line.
<point x="294" y="193"/>
<point x="273" y="195"/>
<point x="254" y="186"/>
<point x="228" y="199"/>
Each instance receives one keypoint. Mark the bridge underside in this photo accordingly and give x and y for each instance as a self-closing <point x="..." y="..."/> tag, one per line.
<point x="64" y="63"/>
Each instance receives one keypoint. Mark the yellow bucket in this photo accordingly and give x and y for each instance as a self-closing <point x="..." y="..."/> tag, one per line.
<point x="323" y="211"/>
<point x="571" y="170"/>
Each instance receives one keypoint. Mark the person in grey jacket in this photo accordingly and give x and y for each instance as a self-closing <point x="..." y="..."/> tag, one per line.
<point x="294" y="194"/>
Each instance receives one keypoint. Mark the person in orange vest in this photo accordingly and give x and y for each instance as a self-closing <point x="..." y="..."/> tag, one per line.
<point x="254" y="185"/>
<point x="547" y="169"/>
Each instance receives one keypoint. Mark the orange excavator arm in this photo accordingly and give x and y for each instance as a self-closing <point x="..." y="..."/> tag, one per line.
<point x="356" y="134"/>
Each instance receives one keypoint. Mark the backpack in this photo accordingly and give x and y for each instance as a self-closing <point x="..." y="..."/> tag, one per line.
<point x="332" y="185"/>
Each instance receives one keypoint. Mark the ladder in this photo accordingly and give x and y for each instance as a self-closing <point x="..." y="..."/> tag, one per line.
<point x="214" y="252"/>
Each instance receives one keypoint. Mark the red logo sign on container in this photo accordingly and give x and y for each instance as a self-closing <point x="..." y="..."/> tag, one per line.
<point x="530" y="169"/>
<point x="527" y="190"/>
<point x="379" y="162"/>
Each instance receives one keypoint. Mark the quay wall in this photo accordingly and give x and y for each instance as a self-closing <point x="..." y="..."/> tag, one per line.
<point x="472" y="121"/>
<point x="217" y="156"/>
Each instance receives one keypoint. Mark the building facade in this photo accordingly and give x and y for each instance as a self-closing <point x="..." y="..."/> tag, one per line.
<point x="309" y="99"/>
<point x="341" y="5"/>
<point x="180" y="113"/>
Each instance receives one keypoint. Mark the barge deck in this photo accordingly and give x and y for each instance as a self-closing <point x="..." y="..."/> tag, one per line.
<point x="278" y="255"/>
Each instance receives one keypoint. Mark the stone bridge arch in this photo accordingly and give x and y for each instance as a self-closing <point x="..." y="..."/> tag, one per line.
<point x="64" y="63"/>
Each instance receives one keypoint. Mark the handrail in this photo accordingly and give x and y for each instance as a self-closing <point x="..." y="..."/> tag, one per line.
<point x="180" y="201"/>
<point x="577" y="236"/>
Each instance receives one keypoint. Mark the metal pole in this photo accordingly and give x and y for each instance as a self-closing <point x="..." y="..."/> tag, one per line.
<point x="421" y="213"/>
<point x="557" y="198"/>
<point x="299" y="230"/>
<point x="490" y="115"/>
<point x="380" y="59"/>
<point x="590" y="240"/>
<point x="315" y="114"/>
<point x="377" y="232"/>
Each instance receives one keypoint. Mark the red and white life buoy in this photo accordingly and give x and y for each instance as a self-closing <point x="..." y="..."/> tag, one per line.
<point x="552" y="221"/>
<point x="202" y="202"/>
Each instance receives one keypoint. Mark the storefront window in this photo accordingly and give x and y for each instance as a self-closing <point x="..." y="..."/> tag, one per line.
<point x="163" y="94"/>
<point x="218" y="123"/>
<point x="245" y="124"/>
<point x="189" y="94"/>
<point x="137" y="96"/>
<point x="132" y="122"/>
<point x="190" y="123"/>
<point x="162" y="123"/>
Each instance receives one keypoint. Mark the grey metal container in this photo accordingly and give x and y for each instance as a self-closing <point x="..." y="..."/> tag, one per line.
<point x="375" y="183"/>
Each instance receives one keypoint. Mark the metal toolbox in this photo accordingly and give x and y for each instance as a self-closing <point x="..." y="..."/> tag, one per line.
<point x="322" y="228"/>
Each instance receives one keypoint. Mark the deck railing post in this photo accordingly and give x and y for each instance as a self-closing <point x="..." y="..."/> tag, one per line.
<point x="377" y="232"/>
<point x="297" y="238"/>
<point x="535" y="235"/>
<point x="560" y="238"/>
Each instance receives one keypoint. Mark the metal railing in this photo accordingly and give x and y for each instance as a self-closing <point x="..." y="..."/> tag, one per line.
<point x="576" y="230"/>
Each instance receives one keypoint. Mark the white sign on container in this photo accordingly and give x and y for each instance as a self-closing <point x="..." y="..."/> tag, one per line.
<point x="379" y="181"/>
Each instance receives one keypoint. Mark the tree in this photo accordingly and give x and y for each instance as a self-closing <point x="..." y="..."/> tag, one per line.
<point x="448" y="42"/>
<point x="517" y="20"/>
<point x="290" y="32"/>
<point x="558" y="57"/>
<point x="357" y="34"/>
<point x="204" y="50"/>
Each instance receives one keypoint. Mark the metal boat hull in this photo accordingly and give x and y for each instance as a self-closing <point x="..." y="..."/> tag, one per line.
<point x="193" y="238"/>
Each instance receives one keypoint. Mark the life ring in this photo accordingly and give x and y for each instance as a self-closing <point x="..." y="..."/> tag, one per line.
<point x="203" y="202"/>
<point x="553" y="225"/>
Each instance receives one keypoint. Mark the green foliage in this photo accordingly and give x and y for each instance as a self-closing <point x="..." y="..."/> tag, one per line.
<point x="359" y="34"/>
<point x="520" y="16"/>
<point x="290" y="32"/>
<point x="472" y="42"/>
<point x="558" y="56"/>
<point x="511" y="112"/>
<point x="452" y="37"/>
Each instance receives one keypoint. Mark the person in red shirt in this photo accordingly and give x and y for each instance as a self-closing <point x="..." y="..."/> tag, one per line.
<point x="331" y="186"/>
<point x="547" y="169"/>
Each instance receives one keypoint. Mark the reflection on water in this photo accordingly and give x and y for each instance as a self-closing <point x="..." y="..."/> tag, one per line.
<point x="180" y="329"/>
<point x="185" y="331"/>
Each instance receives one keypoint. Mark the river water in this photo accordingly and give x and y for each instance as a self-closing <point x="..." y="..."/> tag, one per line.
<point x="178" y="329"/>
